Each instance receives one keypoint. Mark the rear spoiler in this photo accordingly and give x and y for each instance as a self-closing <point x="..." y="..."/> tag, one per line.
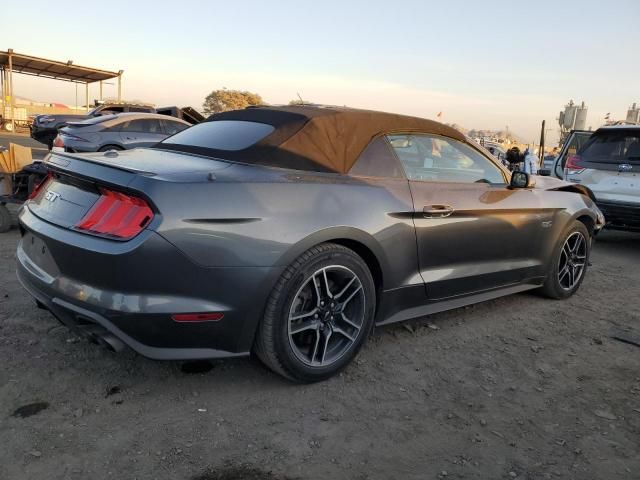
<point x="78" y="164"/>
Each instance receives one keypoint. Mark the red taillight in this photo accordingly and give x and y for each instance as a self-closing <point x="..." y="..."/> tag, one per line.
<point x="58" y="142"/>
<point x="197" y="317"/>
<point x="572" y="165"/>
<point x="116" y="215"/>
<point x="38" y="188"/>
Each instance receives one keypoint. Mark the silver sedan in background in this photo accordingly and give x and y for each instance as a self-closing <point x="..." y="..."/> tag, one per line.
<point x="117" y="132"/>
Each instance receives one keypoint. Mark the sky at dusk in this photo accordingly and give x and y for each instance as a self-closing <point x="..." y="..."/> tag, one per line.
<point x="483" y="64"/>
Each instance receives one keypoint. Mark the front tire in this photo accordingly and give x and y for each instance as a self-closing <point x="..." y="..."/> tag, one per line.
<point x="318" y="315"/>
<point x="569" y="263"/>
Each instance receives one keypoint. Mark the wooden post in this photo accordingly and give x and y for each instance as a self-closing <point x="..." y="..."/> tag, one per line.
<point x="542" y="132"/>
<point x="13" y="124"/>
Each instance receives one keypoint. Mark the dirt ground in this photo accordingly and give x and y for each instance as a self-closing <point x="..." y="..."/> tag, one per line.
<point x="519" y="387"/>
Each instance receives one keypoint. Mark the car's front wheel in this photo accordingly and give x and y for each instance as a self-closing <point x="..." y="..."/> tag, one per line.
<point x="569" y="263"/>
<point x="318" y="315"/>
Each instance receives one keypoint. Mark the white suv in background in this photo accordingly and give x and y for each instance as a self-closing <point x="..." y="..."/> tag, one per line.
<point x="609" y="164"/>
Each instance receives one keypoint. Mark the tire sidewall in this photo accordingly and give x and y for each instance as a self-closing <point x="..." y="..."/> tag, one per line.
<point x="553" y="283"/>
<point x="281" y="335"/>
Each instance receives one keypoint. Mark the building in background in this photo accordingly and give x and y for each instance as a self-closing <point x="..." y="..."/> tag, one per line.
<point x="573" y="117"/>
<point x="633" y="114"/>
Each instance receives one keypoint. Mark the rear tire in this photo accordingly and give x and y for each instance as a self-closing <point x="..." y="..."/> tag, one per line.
<point x="318" y="315"/>
<point x="568" y="266"/>
<point x="106" y="148"/>
<point x="5" y="218"/>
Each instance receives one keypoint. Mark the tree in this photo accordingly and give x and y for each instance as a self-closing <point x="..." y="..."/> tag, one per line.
<point x="224" y="100"/>
<point x="299" y="101"/>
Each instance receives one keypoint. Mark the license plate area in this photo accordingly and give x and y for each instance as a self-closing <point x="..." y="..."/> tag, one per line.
<point x="38" y="252"/>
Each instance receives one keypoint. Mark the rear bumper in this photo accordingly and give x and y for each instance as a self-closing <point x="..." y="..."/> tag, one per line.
<point x="81" y="320"/>
<point x="132" y="291"/>
<point x="620" y="215"/>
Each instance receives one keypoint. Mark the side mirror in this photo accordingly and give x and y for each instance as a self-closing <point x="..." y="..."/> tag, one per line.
<point x="544" y="172"/>
<point x="521" y="180"/>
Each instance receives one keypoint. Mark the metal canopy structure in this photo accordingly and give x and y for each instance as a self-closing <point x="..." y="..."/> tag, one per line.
<point x="12" y="62"/>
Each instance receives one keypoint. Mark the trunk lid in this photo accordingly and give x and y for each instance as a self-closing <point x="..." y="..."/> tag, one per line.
<point x="149" y="162"/>
<point x="79" y="180"/>
<point x="64" y="200"/>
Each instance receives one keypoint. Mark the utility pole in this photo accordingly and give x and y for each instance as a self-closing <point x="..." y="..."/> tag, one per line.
<point x="542" y="132"/>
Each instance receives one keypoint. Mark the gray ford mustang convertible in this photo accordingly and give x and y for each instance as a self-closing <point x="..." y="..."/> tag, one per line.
<point x="291" y="232"/>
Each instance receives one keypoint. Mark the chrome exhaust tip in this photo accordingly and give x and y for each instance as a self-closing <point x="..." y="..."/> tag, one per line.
<point x="112" y="342"/>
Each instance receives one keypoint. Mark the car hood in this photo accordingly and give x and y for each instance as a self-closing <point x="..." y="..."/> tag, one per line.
<point x="549" y="183"/>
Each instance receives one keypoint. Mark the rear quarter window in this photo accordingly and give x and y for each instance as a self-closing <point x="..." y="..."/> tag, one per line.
<point x="229" y="135"/>
<point x="377" y="160"/>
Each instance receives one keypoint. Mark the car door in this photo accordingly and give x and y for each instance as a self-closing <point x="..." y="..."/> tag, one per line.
<point x="473" y="232"/>
<point x="142" y="133"/>
<point x="572" y="144"/>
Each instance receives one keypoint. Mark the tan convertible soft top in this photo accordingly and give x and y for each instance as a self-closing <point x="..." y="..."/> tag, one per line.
<point x="317" y="137"/>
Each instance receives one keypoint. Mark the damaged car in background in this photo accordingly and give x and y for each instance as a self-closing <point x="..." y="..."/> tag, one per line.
<point x="290" y="232"/>
<point x="45" y="128"/>
<point x="609" y="165"/>
<point x="116" y="132"/>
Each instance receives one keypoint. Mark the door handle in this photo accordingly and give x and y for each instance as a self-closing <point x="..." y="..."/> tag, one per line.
<point x="437" y="211"/>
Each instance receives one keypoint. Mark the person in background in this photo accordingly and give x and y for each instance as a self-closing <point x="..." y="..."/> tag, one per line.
<point x="530" y="162"/>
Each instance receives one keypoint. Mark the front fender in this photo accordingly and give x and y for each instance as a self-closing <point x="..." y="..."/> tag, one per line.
<point x="576" y="188"/>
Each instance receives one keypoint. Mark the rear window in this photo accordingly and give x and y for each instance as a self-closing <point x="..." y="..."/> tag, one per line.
<point x="612" y="147"/>
<point x="229" y="135"/>
<point x="140" y="109"/>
